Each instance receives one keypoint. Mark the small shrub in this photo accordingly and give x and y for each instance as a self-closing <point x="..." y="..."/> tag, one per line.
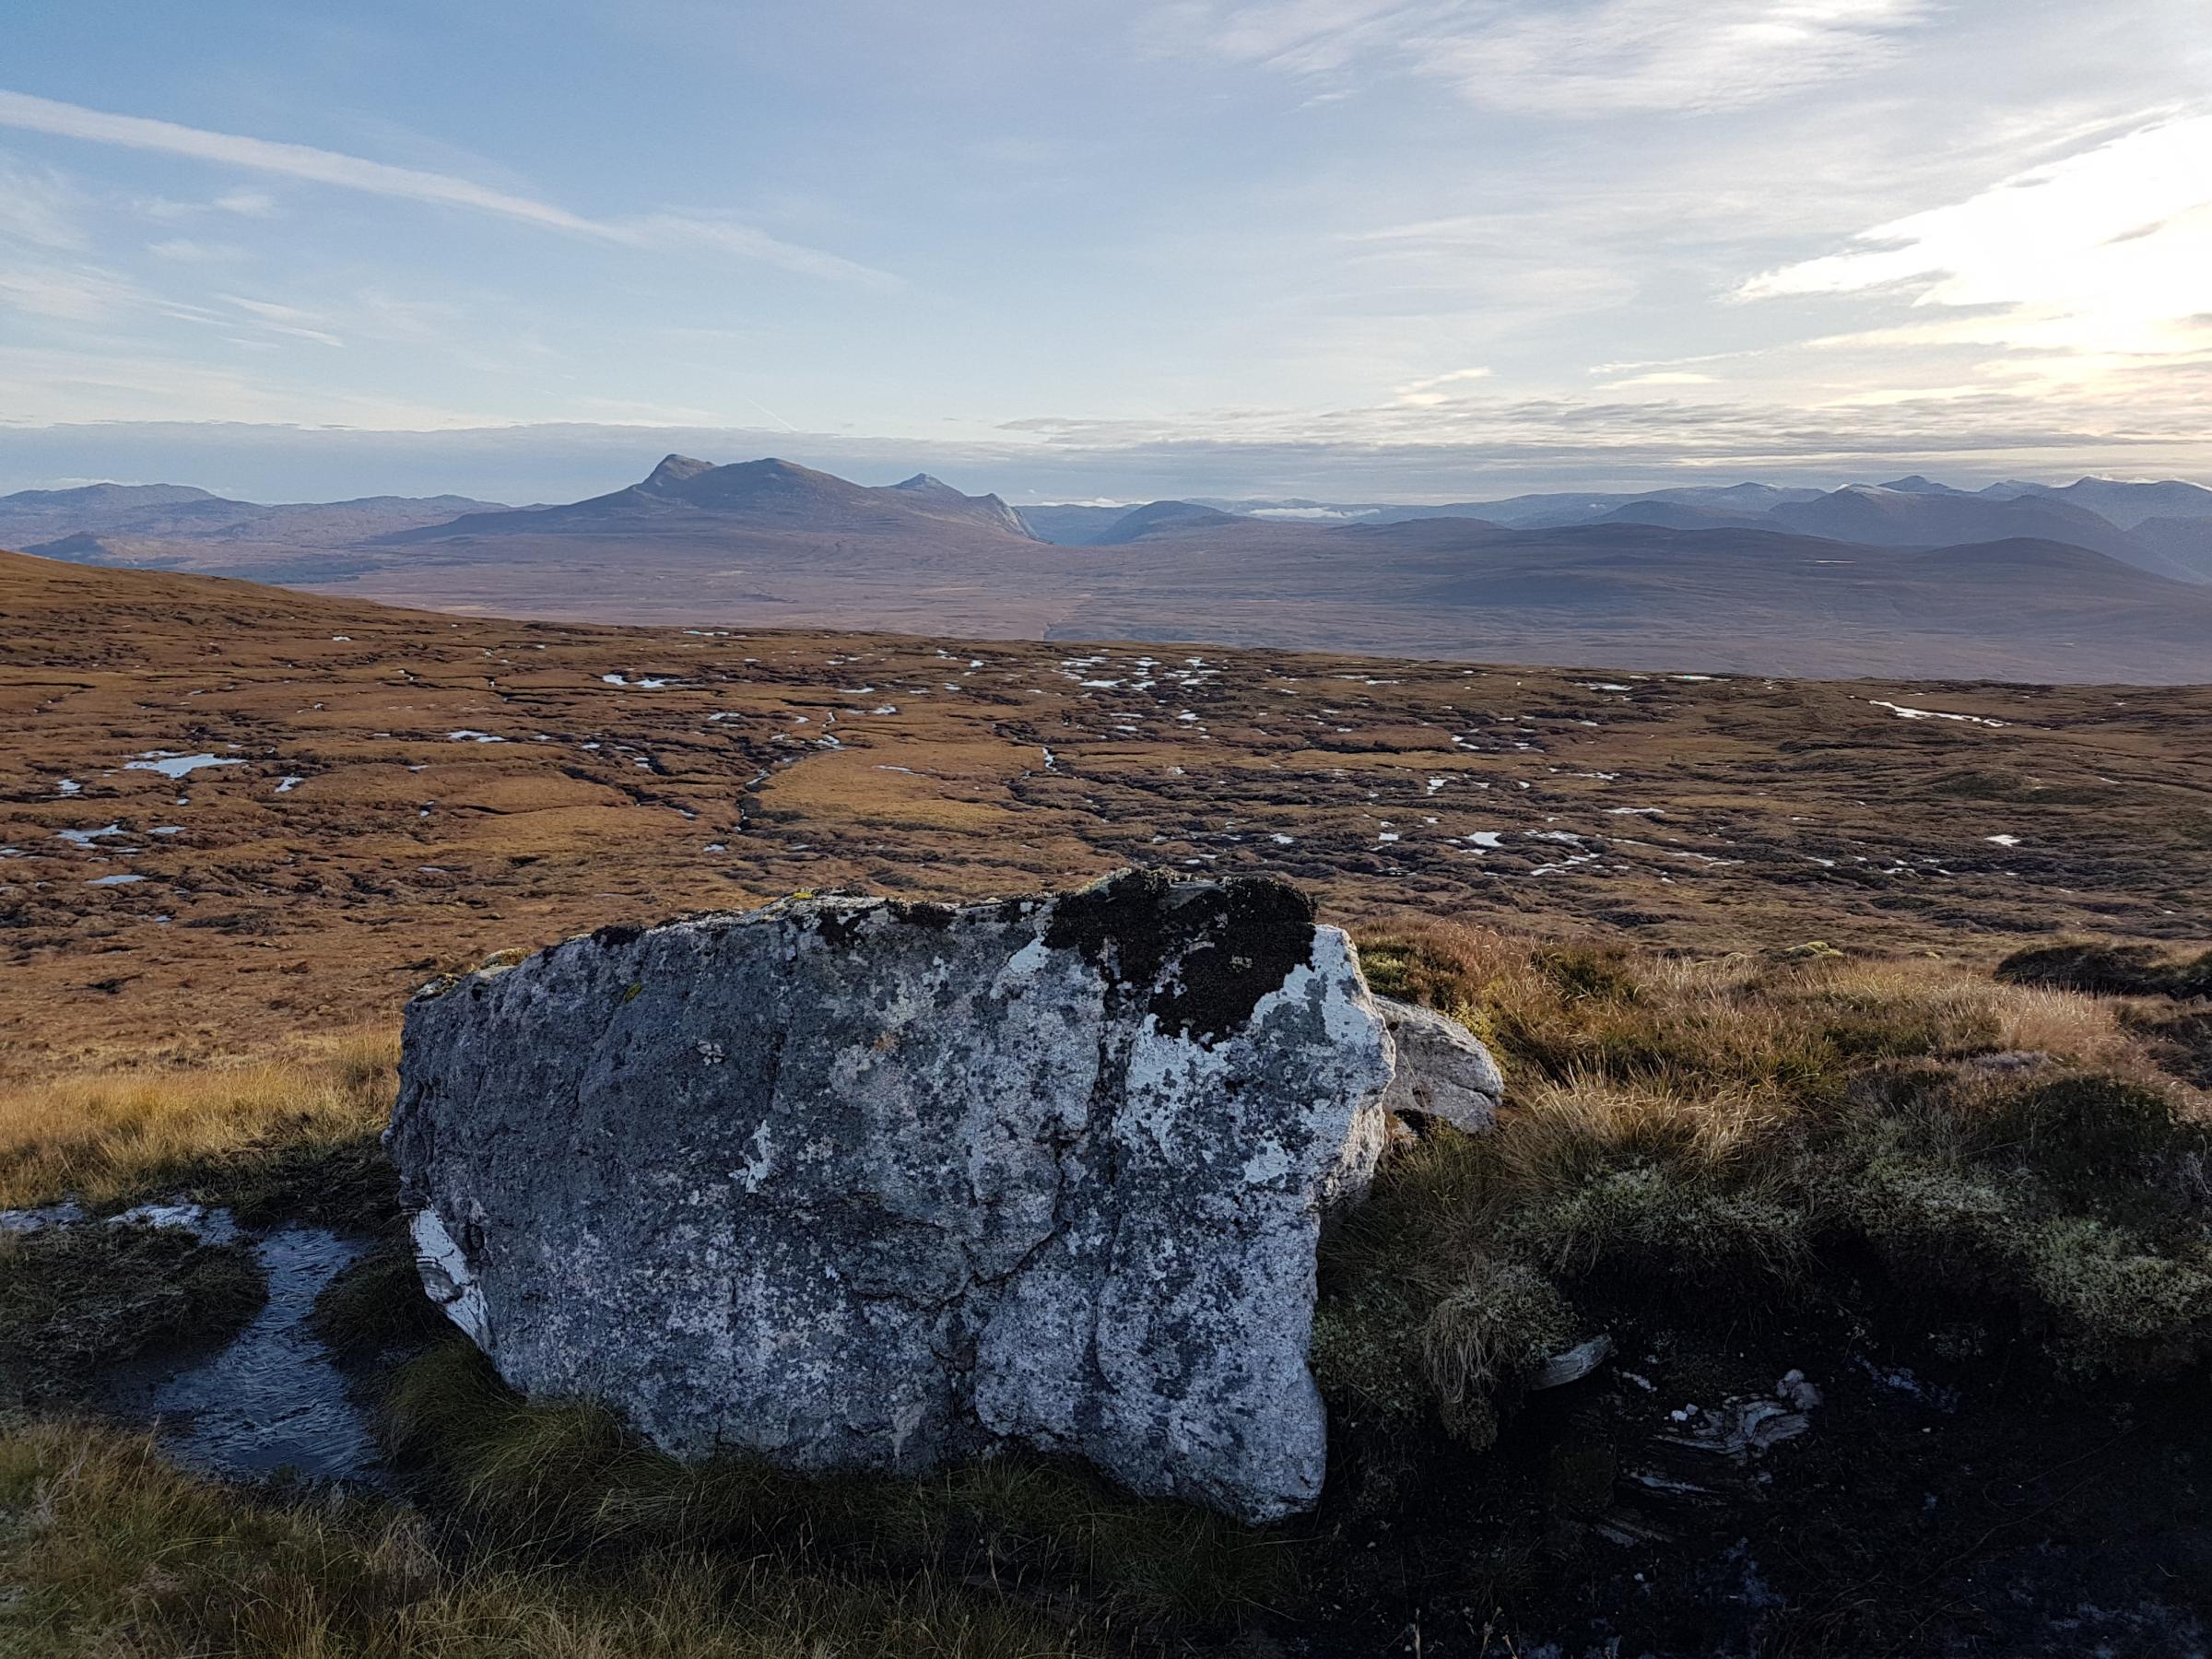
<point x="2088" y="1135"/>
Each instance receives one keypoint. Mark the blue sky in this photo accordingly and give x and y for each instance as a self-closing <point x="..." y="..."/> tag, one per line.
<point x="1347" y="248"/>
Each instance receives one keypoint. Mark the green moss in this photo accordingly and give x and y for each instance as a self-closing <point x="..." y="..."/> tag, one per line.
<point x="1657" y="1223"/>
<point x="2117" y="1306"/>
<point x="1414" y="970"/>
<point x="1365" y="1354"/>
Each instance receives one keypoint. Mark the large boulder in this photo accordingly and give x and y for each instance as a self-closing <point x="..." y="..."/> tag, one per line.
<point x="850" y="1183"/>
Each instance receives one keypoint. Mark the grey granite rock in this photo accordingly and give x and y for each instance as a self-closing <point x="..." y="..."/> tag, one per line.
<point x="1443" y="1071"/>
<point x="849" y="1183"/>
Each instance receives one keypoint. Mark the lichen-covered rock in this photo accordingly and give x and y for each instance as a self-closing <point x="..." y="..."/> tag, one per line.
<point x="849" y="1183"/>
<point x="1443" y="1072"/>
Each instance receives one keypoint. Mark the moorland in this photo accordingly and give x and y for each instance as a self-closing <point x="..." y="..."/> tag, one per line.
<point x="1853" y="1032"/>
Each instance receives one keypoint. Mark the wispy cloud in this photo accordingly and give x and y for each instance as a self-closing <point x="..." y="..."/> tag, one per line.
<point x="64" y="293"/>
<point x="186" y="249"/>
<point x="37" y="206"/>
<point x="1622" y="56"/>
<point x="1427" y="390"/>
<point x="248" y="204"/>
<point x="2102" y="252"/>
<point x="657" y="230"/>
<point x="1581" y="58"/>
<point x="285" y="319"/>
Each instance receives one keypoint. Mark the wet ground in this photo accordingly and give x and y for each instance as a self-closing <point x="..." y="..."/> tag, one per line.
<point x="270" y="1399"/>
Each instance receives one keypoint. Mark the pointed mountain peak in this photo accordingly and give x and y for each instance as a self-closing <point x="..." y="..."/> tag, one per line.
<point x="926" y="483"/>
<point x="674" y="470"/>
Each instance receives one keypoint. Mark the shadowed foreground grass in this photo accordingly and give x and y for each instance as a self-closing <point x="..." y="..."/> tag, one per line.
<point x="1729" y="1149"/>
<point x="105" y="1550"/>
<point x="111" y="1137"/>
<point x="564" y="1475"/>
<point x="1710" y="1138"/>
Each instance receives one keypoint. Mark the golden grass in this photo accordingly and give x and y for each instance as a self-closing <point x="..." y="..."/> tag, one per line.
<point x="113" y="1134"/>
<point x="1701" y="1130"/>
<point x="107" y="1550"/>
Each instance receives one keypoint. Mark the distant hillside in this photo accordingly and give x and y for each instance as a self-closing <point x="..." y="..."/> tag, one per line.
<point x="1911" y="578"/>
<point x="174" y="526"/>
<point x="685" y="497"/>
<point x="1161" y="518"/>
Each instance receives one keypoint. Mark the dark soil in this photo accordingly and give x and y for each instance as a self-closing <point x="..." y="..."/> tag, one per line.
<point x="1945" y="1498"/>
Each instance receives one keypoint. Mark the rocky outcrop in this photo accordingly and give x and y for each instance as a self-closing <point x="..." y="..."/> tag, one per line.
<point x="1442" y="1072"/>
<point x="853" y="1182"/>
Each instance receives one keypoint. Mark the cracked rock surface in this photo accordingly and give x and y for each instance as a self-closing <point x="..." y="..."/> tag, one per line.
<point x="851" y="1183"/>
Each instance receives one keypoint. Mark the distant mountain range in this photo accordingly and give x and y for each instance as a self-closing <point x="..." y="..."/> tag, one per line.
<point x="2164" y="528"/>
<point x="175" y="527"/>
<point x="2098" y="580"/>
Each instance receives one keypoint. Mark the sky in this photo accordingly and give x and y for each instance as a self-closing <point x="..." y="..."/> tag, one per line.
<point x="1350" y="250"/>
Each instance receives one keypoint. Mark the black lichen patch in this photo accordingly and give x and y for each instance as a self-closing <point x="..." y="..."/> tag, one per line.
<point x="1266" y="929"/>
<point x="1119" y="925"/>
<point x="839" y="928"/>
<point x="1230" y="944"/>
<point x="934" y="917"/>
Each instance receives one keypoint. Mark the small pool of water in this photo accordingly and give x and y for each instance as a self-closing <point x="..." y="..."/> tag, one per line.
<point x="271" y="1399"/>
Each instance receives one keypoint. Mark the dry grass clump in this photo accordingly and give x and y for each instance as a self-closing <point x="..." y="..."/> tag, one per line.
<point x="112" y="1136"/>
<point x="106" y="1549"/>
<point x="1707" y="1133"/>
<point x="1793" y="1026"/>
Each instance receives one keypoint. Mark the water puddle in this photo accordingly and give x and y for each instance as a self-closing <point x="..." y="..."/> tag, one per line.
<point x="271" y="1399"/>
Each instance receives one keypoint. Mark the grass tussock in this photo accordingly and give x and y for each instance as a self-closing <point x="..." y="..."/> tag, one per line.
<point x="564" y="1477"/>
<point x="1715" y="1135"/>
<point x="2107" y="969"/>
<point x="105" y="1549"/>
<point x="115" y="1136"/>
<point x="77" y="1300"/>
